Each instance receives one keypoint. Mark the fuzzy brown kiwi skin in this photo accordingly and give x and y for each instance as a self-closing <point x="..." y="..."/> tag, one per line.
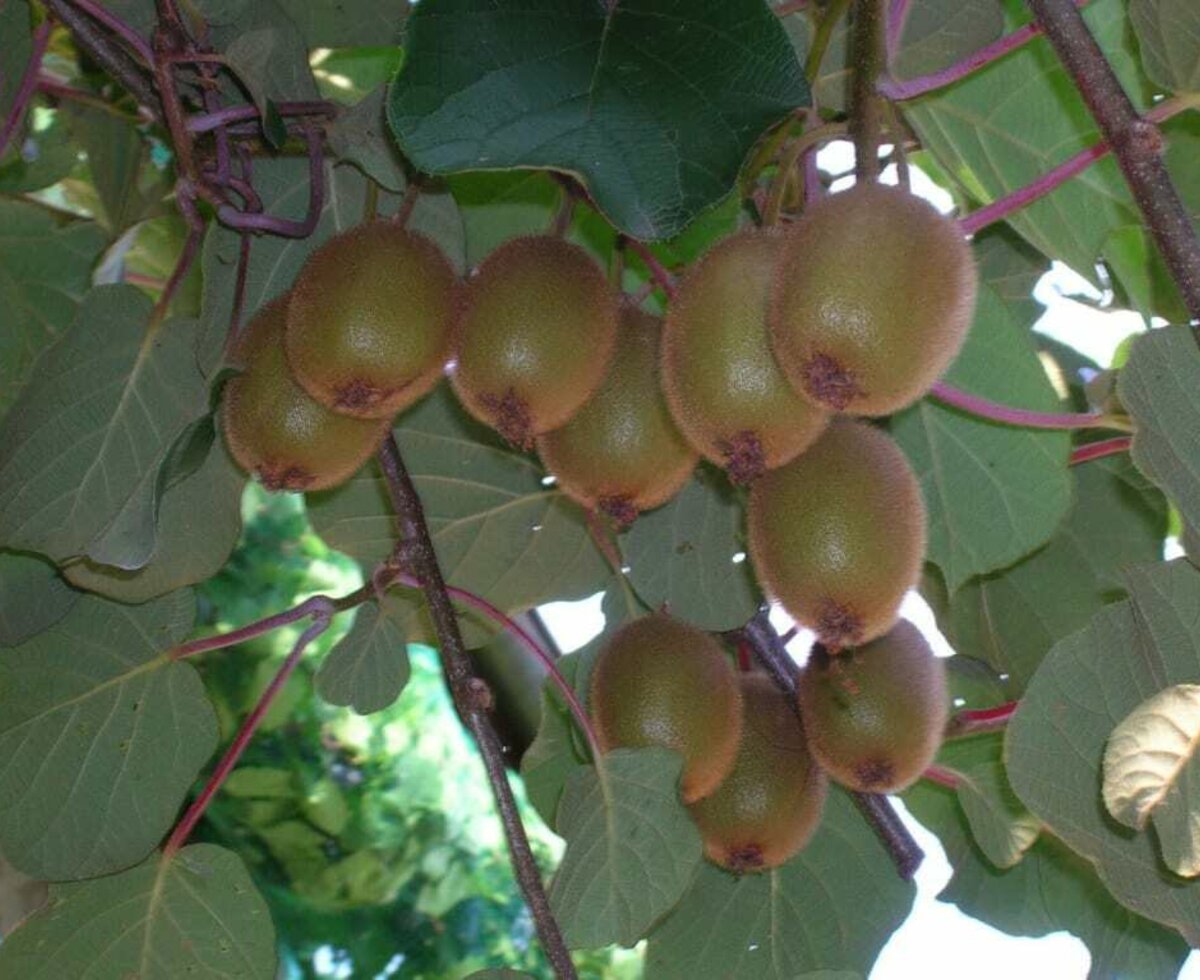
<point x="621" y="453"/>
<point x="660" y="682"/>
<point x="725" y="390"/>
<point x="838" y="534"/>
<point x="272" y="427"/>
<point x="535" y="337"/>
<point x="875" y="715"/>
<point x="371" y="320"/>
<point x="769" y="806"/>
<point x="871" y="301"/>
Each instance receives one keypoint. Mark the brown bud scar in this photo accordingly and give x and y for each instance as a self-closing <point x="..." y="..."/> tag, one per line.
<point x="829" y="382"/>
<point x="745" y="460"/>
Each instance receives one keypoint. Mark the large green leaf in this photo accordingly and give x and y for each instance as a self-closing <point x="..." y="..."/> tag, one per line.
<point x="81" y="450"/>
<point x="653" y="103"/>
<point x="1085" y="687"/>
<point x="983" y="133"/>
<point x="33" y="597"/>
<point x="831" y="908"/>
<point x="1012" y="618"/>
<point x="690" y="555"/>
<point x="347" y="23"/>
<point x="500" y="532"/>
<point x="368" y="667"/>
<point x="632" y="848"/>
<point x="360" y="135"/>
<point x="939" y="33"/>
<point x="101" y="735"/>
<point x="994" y="492"/>
<point x="45" y="268"/>
<point x="195" y="915"/>
<point x="1169" y="32"/>
<point x="15" y="28"/>
<point x="1158" y="388"/>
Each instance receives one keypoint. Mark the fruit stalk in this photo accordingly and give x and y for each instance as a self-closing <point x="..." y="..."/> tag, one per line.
<point x="1136" y="143"/>
<point x="28" y="86"/>
<point x="904" y="851"/>
<point x="865" y="107"/>
<point x="658" y="271"/>
<point x="416" y="553"/>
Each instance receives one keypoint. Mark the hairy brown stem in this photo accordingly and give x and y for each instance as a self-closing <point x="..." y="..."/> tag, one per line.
<point x="904" y="851"/>
<point x="1136" y="143"/>
<point x="415" y="551"/>
<point x="865" y="103"/>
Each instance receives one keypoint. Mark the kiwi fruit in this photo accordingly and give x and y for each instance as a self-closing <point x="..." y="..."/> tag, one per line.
<point x="726" y="391"/>
<point x="660" y="682"/>
<point x="875" y="715"/>
<point x="872" y="300"/>
<point x="621" y="453"/>
<point x="536" y="336"/>
<point x="371" y="319"/>
<point x="274" y="429"/>
<point x="770" y="804"/>
<point x="838" y="534"/>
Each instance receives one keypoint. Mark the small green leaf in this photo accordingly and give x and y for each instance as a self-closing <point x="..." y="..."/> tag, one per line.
<point x="81" y="450"/>
<point x="1002" y="826"/>
<point x="1150" y="770"/>
<point x="197" y="914"/>
<point x="631" y="847"/>
<point x="1169" y="32"/>
<point x="101" y="736"/>
<point x="33" y="597"/>
<point x="360" y="135"/>
<point x="368" y="667"/>
<point x="652" y="103"/>
<point x="690" y="555"/>
<point x="348" y="23"/>
<point x="826" y="912"/>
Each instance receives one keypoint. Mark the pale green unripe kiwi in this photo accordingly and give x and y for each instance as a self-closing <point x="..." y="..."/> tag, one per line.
<point x="274" y="430"/>
<point x="875" y="715"/>
<point x="726" y="391"/>
<point x="660" y="682"/>
<point x="535" y="338"/>
<point x="838" y="534"/>
<point x="622" y="453"/>
<point x="371" y="320"/>
<point x="872" y="300"/>
<point x="770" y="804"/>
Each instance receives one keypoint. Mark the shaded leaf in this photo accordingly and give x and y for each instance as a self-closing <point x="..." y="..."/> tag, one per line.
<point x="81" y="450"/>
<point x="197" y="914"/>
<point x="1002" y="826"/>
<point x="360" y="135"/>
<point x="499" y="206"/>
<point x="127" y="189"/>
<point x="830" y="908"/>
<point x="1150" y="771"/>
<point x="43" y="157"/>
<point x="690" y="555"/>
<point x="16" y="28"/>
<point x="33" y="597"/>
<point x="632" y="848"/>
<point x="939" y="33"/>
<point x="368" y="667"/>
<point x="101" y="735"/>
<point x="654" y="103"/>
<point x="347" y="23"/>
<point x="1169" y="32"/>
<point x="45" y="269"/>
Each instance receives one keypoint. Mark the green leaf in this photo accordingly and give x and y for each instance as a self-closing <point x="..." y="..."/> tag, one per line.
<point x="1150" y="771"/>
<point x="994" y="492"/>
<point x="197" y="915"/>
<point x="16" y="29"/>
<point x="45" y="269"/>
<point x="1002" y="826"/>
<point x="830" y="908"/>
<point x="81" y="450"/>
<point x="33" y="597"/>
<point x="199" y="522"/>
<point x="1012" y="618"/>
<point x="1157" y="387"/>
<point x="652" y="103"/>
<point x="498" y="530"/>
<point x="1088" y="684"/>
<point x="1011" y="269"/>
<point x="939" y="33"/>
<point x="690" y="555"/>
<point x="101" y="736"/>
<point x="44" y="157"/>
<point x="982" y="133"/>
<point x="1169" y="32"/>
<point x="360" y="135"/>
<point x="499" y="206"/>
<point x="274" y="261"/>
<point x="368" y="667"/>
<point x="347" y="23"/>
<point x="632" y="848"/>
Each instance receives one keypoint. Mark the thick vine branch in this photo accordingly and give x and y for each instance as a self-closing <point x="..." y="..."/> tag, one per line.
<point x="1136" y="143"/>
<point x="865" y="107"/>
<point x="416" y="551"/>
<point x="904" y="851"/>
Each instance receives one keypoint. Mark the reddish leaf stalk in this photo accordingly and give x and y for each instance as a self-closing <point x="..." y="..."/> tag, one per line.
<point x="658" y="271"/>
<point x="230" y="216"/>
<point x="1006" y="415"/>
<point x="897" y="17"/>
<point x="790" y="7"/>
<point x="979" y="721"/>
<point x="246" y="732"/>
<point x="208" y="121"/>
<point x="941" y="776"/>
<point x="1098" y="450"/>
<point x="28" y="85"/>
<point x="191" y="246"/>
<point x="318" y="607"/>
<point x="125" y="32"/>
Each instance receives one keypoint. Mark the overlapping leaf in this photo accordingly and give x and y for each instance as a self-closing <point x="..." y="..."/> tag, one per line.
<point x="368" y="667"/>
<point x="33" y="597"/>
<point x="194" y="914"/>
<point x="81" y="449"/>
<point x="1169" y="32"/>
<point x="15" y="27"/>
<point x="654" y="103"/>
<point x="100" y="737"/>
